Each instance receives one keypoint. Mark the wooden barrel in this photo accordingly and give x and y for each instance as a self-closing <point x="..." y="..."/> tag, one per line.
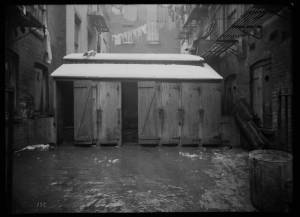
<point x="270" y="171"/>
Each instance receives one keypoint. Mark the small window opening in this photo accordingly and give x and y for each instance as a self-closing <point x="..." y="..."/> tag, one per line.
<point x="273" y="35"/>
<point x="266" y="78"/>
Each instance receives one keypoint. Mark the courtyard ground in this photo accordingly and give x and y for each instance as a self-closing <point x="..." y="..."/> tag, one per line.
<point x="131" y="179"/>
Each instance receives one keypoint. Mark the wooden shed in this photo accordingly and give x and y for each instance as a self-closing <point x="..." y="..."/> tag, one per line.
<point x="176" y="98"/>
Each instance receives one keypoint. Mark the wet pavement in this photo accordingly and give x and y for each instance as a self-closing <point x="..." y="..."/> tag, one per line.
<point x="131" y="179"/>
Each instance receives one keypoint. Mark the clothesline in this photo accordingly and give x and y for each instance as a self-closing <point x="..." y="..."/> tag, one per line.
<point x="129" y="36"/>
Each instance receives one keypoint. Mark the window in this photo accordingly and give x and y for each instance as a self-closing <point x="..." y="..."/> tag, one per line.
<point x="152" y="27"/>
<point x="152" y="33"/>
<point x="41" y="88"/>
<point x="76" y="32"/>
<point x="11" y="73"/>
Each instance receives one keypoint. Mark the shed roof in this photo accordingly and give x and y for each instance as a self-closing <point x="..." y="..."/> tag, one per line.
<point x="136" y="71"/>
<point x="136" y="57"/>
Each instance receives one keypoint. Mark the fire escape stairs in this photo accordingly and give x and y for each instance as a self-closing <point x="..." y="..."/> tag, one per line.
<point x="249" y="24"/>
<point x="248" y="124"/>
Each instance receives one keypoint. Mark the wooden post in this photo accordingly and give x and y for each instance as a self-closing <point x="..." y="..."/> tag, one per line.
<point x="55" y="111"/>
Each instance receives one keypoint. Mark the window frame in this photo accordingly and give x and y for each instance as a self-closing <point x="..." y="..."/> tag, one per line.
<point x="12" y="82"/>
<point x="43" y="109"/>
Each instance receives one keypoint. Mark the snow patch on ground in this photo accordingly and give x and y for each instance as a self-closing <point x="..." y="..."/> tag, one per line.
<point x="192" y="156"/>
<point x="40" y="147"/>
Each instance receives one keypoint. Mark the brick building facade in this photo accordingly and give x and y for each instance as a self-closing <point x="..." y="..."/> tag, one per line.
<point x="27" y="67"/>
<point x="37" y="37"/>
<point x="250" y="46"/>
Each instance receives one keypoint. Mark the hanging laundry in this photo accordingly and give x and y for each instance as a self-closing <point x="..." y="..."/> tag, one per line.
<point x="130" y="37"/>
<point x="118" y="39"/>
<point x="134" y="33"/>
<point x="125" y="37"/>
<point x="139" y="31"/>
<point x="144" y="29"/>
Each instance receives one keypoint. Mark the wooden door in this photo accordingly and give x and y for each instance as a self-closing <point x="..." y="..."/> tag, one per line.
<point x="148" y="113"/>
<point x="83" y="112"/>
<point x="267" y="97"/>
<point x="211" y="102"/>
<point x="170" y="112"/>
<point x="108" y="112"/>
<point x="193" y="113"/>
<point x="257" y="91"/>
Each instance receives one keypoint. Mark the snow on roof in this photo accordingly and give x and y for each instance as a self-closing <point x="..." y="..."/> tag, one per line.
<point x="135" y="56"/>
<point x="136" y="71"/>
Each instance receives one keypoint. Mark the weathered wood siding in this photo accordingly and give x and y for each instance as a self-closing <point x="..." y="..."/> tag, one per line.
<point x="83" y="115"/>
<point x="182" y="113"/>
<point x="108" y="112"/>
<point x="170" y="104"/>
<point x="211" y="93"/>
<point x="193" y="113"/>
<point x="148" y="120"/>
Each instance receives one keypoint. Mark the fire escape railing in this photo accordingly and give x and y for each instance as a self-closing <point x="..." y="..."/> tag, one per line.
<point x="249" y="23"/>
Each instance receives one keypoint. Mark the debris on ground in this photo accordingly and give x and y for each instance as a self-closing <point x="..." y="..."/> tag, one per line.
<point x="115" y="161"/>
<point x="192" y="156"/>
<point x="39" y="147"/>
<point x="140" y="181"/>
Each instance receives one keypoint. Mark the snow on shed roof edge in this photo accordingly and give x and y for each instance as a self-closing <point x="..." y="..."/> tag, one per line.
<point x="136" y="71"/>
<point x="135" y="57"/>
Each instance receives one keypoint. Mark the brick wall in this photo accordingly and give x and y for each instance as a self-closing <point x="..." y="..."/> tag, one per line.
<point x="275" y="44"/>
<point x="31" y="49"/>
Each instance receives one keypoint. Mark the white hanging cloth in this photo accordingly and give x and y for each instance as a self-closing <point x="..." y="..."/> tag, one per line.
<point x="117" y="40"/>
<point x="129" y="36"/>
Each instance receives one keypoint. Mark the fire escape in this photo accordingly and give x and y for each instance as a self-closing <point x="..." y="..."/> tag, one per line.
<point x="247" y="24"/>
<point x="221" y="39"/>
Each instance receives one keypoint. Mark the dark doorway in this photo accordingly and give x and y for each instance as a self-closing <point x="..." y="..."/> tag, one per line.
<point x="67" y="111"/>
<point x="129" y="112"/>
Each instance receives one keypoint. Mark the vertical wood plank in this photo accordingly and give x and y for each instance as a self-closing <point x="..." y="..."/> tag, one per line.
<point x="193" y="113"/>
<point x="83" y="115"/>
<point x="170" y="95"/>
<point x="55" y="110"/>
<point x="94" y="110"/>
<point x="148" y="118"/>
<point x="211" y="105"/>
<point x="109" y="106"/>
